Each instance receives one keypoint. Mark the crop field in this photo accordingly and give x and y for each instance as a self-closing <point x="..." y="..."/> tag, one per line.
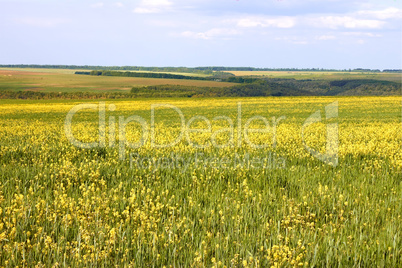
<point x="395" y="77"/>
<point x="231" y="182"/>
<point x="57" y="80"/>
<point x="72" y="71"/>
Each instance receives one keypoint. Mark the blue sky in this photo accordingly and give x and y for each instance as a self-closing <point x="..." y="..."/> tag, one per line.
<point x="259" y="33"/>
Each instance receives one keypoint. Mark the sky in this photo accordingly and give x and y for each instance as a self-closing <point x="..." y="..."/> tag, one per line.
<point x="338" y="34"/>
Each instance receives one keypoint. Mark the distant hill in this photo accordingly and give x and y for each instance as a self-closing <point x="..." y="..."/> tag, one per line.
<point x="235" y="86"/>
<point x="277" y="87"/>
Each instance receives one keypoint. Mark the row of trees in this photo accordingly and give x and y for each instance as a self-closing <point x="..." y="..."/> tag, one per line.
<point x="118" y="68"/>
<point x="218" y="76"/>
<point x="141" y="74"/>
<point x="392" y="71"/>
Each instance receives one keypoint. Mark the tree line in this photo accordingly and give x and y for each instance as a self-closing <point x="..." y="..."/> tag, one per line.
<point x="219" y="76"/>
<point x="204" y="69"/>
<point x="276" y="87"/>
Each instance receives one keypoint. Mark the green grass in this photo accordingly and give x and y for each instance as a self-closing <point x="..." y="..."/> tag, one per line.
<point x="72" y="71"/>
<point x="395" y="77"/>
<point x="85" y="207"/>
<point x="59" y="80"/>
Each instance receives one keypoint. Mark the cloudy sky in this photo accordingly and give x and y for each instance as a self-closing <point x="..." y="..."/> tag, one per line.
<point x="260" y="33"/>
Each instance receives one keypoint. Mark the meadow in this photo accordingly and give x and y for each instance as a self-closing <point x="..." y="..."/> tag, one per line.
<point x="212" y="199"/>
<point x="50" y="83"/>
<point x="60" y="80"/>
<point x="322" y="75"/>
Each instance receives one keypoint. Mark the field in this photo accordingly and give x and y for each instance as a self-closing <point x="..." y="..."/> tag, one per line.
<point x="72" y="71"/>
<point x="230" y="195"/>
<point x="395" y="77"/>
<point x="58" y="80"/>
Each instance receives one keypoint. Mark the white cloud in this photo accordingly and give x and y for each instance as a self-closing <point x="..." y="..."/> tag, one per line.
<point x="326" y="37"/>
<point x="300" y="42"/>
<point x="146" y="10"/>
<point x="277" y="22"/>
<point x="297" y="40"/>
<point x="335" y="22"/>
<point x="165" y="23"/>
<point x="363" y="19"/>
<point x="157" y="3"/>
<point x="97" y="5"/>
<point x="389" y="13"/>
<point x="211" y="34"/>
<point x="41" y="22"/>
<point x="153" y="6"/>
<point x="194" y="35"/>
<point x="118" y="4"/>
<point x="361" y="34"/>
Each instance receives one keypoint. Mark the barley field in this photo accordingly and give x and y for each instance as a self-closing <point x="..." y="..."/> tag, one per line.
<point x="231" y="182"/>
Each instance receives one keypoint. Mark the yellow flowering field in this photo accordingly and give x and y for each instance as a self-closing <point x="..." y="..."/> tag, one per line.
<point x="234" y="182"/>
